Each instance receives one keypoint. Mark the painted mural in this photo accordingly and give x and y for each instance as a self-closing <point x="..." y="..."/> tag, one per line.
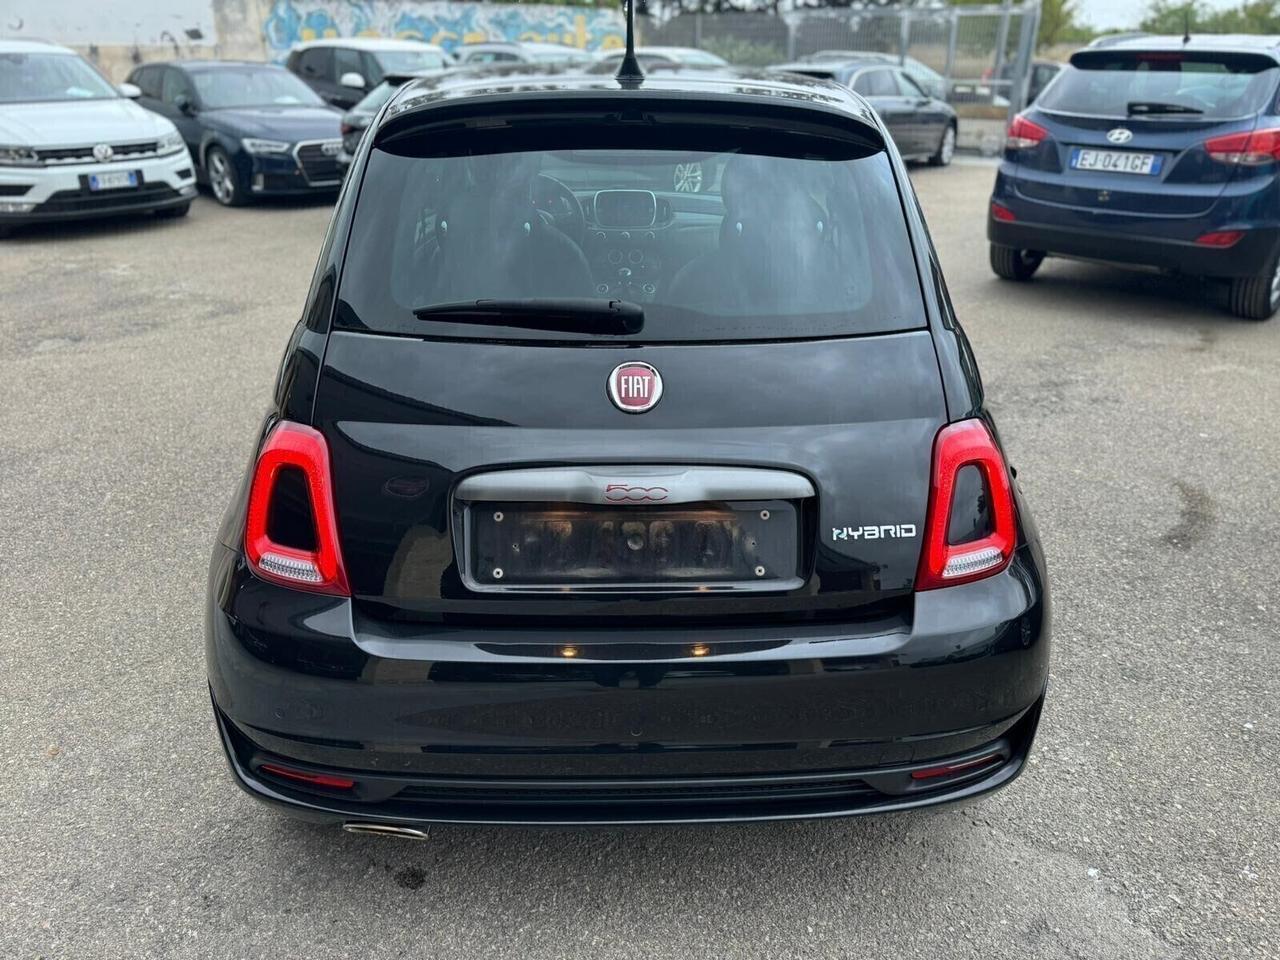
<point x="443" y="23"/>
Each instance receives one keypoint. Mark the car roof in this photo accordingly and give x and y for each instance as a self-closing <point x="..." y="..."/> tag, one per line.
<point x="808" y="66"/>
<point x="1207" y="42"/>
<point x="372" y="44"/>
<point x="546" y="83"/>
<point x="33" y="46"/>
<point x="195" y="66"/>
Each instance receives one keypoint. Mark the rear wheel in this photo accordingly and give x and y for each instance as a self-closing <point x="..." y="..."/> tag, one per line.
<point x="1256" y="298"/>
<point x="1014" y="264"/>
<point x="946" y="148"/>
<point x="223" y="181"/>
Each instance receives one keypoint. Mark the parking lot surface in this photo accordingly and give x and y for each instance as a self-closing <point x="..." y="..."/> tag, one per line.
<point x="135" y="361"/>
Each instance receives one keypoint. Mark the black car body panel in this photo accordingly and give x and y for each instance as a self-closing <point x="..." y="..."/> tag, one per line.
<point x="418" y="698"/>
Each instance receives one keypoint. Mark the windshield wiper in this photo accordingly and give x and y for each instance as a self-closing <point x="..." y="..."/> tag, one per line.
<point x="570" y="314"/>
<point x="1155" y="106"/>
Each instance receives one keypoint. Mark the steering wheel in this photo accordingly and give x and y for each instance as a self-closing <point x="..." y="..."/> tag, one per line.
<point x="556" y="200"/>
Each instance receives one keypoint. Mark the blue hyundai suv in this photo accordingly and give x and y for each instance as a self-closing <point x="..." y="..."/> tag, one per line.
<point x="1155" y="151"/>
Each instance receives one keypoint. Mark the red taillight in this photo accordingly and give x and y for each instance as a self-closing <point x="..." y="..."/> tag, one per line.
<point x="1252" y="148"/>
<point x="943" y="564"/>
<point x="1023" y="134"/>
<point x="1220" y="238"/>
<point x="307" y="777"/>
<point x="947" y="769"/>
<point x="1000" y="212"/>
<point x="319" y="569"/>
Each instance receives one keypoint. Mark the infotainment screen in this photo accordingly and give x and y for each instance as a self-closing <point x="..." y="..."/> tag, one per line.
<point x="626" y="208"/>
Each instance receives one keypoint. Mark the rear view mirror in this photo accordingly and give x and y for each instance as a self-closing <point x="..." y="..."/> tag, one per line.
<point x="353" y="80"/>
<point x="132" y="91"/>
<point x="184" y="104"/>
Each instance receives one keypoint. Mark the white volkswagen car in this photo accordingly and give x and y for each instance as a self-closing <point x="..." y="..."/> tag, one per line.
<point x="72" y="146"/>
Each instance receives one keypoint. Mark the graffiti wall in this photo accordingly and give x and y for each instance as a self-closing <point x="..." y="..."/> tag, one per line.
<point x="444" y="23"/>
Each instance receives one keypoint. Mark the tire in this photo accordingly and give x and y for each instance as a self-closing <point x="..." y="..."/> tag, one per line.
<point x="1014" y="264"/>
<point x="173" y="213"/>
<point x="946" y="148"/>
<point x="223" y="179"/>
<point x="1256" y="298"/>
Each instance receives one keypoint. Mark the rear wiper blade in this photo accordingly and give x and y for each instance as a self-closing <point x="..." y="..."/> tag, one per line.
<point x="1155" y="106"/>
<point x="570" y="314"/>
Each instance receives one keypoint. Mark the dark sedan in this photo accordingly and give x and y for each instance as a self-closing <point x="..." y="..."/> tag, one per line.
<point x="922" y="126"/>
<point x="253" y="129"/>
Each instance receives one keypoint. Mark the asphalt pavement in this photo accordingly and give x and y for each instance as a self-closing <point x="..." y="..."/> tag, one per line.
<point x="135" y="361"/>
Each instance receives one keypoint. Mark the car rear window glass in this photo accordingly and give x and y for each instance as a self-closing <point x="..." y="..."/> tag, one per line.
<point x="1171" y="84"/>
<point x="716" y="234"/>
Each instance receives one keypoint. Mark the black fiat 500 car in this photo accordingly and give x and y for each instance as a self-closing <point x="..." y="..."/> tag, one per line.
<point x="586" y="499"/>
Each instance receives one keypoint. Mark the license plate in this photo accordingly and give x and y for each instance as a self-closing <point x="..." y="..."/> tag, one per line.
<point x="545" y="546"/>
<point x="1116" y="161"/>
<point x="116" y="180"/>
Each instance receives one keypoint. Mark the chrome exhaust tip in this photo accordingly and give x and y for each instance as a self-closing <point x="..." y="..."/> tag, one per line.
<point x="385" y="830"/>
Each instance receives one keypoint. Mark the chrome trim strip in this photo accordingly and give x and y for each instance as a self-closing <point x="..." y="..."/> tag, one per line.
<point x="610" y="485"/>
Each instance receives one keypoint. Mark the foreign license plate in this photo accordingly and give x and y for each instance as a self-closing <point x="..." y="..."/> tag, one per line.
<point x="531" y="546"/>
<point x="116" y="180"/>
<point x="1116" y="161"/>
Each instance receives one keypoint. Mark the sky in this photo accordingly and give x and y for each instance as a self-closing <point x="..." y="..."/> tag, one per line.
<point x="1110" y="14"/>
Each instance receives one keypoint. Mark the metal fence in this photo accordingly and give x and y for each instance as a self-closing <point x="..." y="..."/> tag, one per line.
<point x="983" y="53"/>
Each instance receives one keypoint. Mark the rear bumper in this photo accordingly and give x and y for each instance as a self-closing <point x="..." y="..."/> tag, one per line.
<point x="445" y="724"/>
<point x="1249" y="256"/>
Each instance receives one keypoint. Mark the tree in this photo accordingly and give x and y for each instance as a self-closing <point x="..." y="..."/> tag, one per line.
<point x="1259" y="16"/>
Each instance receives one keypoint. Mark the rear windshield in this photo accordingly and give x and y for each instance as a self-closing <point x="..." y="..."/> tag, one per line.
<point x="715" y="241"/>
<point x="1194" y="85"/>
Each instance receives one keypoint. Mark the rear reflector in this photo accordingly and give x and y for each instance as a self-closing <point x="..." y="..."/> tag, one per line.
<point x="1002" y="213"/>
<point x="942" y="563"/>
<point x="1024" y="134"/>
<point x="947" y="769"/>
<point x="1220" y="238"/>
<point x="305" y="776"/>
<point x="1251" y="148"/>
<point x="315" y="564"/>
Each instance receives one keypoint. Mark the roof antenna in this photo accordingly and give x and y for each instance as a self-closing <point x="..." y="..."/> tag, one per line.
<point x="629" y="74"/>
<point x="1186" y="24"/>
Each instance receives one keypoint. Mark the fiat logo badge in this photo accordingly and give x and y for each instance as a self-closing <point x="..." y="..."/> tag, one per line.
<point x="1119" y="135"/>
<point x="635" y="387"/>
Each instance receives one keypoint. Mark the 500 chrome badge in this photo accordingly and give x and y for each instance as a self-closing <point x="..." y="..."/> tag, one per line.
<point x="635" y="387"/>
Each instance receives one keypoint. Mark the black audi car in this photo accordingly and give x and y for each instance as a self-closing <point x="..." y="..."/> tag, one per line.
<point x="253" y="129"/>
<point x="582" y="499"/>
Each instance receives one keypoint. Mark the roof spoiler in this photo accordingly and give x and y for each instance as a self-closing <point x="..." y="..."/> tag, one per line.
<point x="400" y="79"/>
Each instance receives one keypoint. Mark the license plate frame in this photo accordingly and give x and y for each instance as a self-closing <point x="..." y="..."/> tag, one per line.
<point x="1130" y="162"/>
<point x="114" y="180"/>
<point x="773" y="528"/>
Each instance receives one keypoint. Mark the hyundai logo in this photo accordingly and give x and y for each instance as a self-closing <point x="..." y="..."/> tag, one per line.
<point x="1119" y="135"/>
<point x="103" y="152"/>
<point x="635" y="387"/>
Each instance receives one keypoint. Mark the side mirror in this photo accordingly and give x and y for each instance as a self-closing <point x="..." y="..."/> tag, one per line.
<point x="132" y="91"/>
<point x="184" y="104"/>
<point x="353" y="80"/>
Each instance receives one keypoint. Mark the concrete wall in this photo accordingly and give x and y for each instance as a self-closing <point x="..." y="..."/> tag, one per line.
<point x="121" y="34"/>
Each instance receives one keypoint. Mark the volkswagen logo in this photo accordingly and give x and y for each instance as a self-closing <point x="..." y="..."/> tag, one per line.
<point x="330" y="148"/>
<point x="635" y="387"/>
<point x="103" y="152"/>
<point x="1119" y="135"/>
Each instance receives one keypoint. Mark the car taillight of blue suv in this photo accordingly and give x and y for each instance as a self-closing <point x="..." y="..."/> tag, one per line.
<point x="1153" y="151"/>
